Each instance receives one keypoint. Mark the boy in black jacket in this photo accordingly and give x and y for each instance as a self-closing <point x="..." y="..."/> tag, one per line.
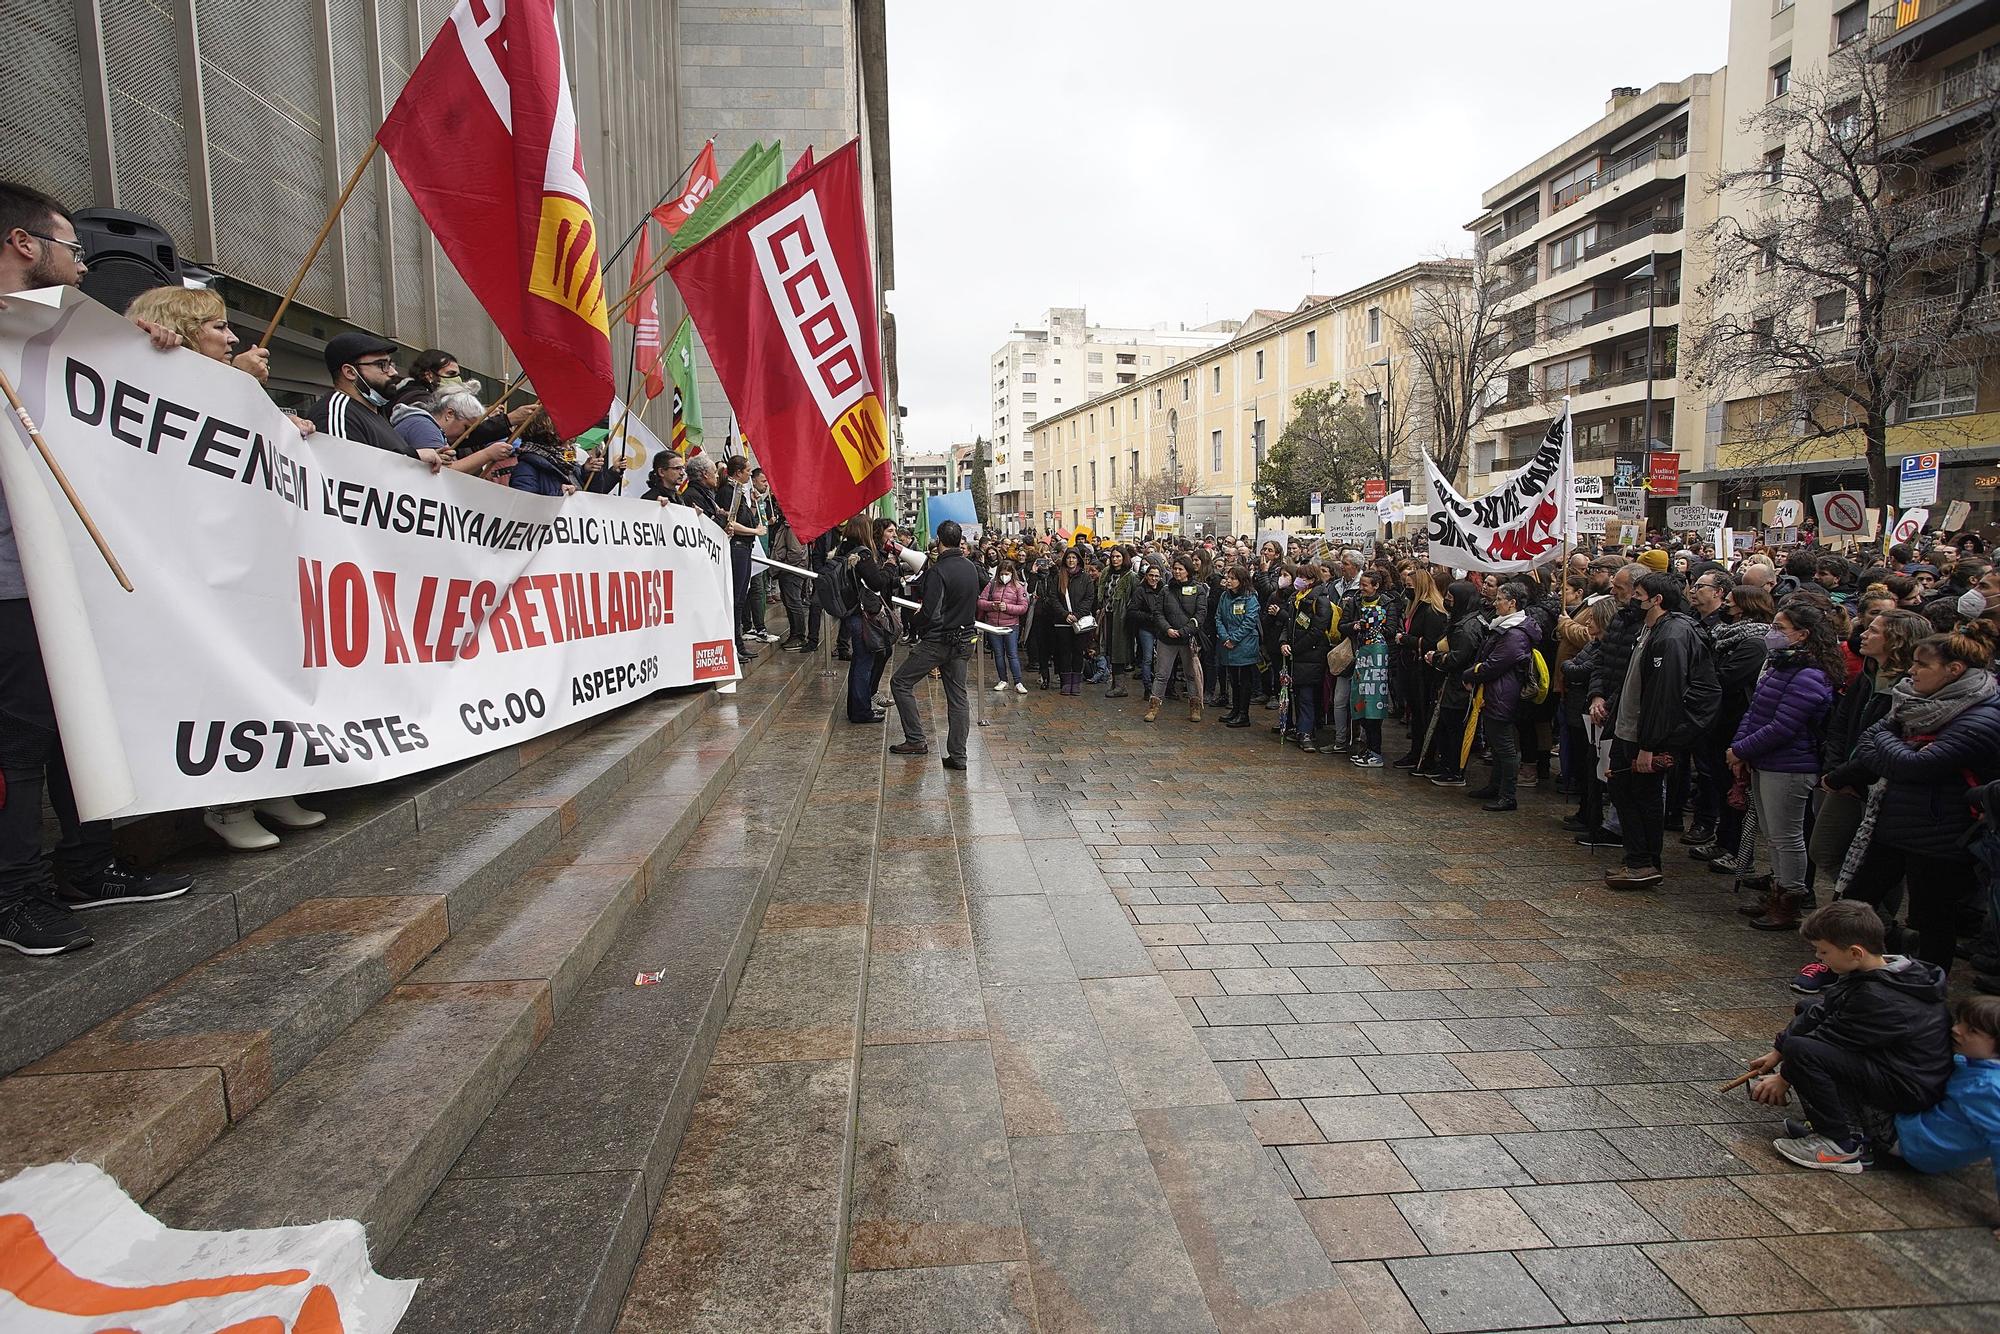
<point x="1879" y="1037"/>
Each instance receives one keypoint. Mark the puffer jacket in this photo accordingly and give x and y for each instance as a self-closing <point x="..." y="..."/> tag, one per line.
<point x="1310" y="634"/>
<point x="1614" y="653"/>
<point x="1462" y="644"/>
<point x="1895" y="1015"/>
<point x="1678" y="694"/>
<point x="1927" y="807"/>
<point x="1148" y="609"/>
<point x="1003" y="604"/>
<point x="1503" y="665"/>
<point x="1238" y="623"/>
<point x="1186" y="608"/>
<point x="1776" y="734"/>
<point x="1962" y="1129"/>
<point x="1862" y="705"/>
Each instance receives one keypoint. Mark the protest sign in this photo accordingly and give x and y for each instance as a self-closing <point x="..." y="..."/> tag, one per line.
<point x="1589" y="488"/>
<point x="1841" y="513"/>
<point x="1694" y="518"/>
<point x="1352" y="525"/>
<point x="1955" y="515"/>
<point x="311" y="613"/>
<point x="1515" y="526"/>
<point x="1593" y="520"/>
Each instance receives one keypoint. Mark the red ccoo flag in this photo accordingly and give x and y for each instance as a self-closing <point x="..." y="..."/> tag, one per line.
<point x="701" y="181"/>
<point x="485" y="138"/>
<point x="784" y="297"/>
<point x="801" y="167"/>
<point x="644" y="316"/>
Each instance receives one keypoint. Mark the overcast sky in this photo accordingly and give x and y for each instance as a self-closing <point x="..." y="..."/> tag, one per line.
<point x="1174" y="160"/>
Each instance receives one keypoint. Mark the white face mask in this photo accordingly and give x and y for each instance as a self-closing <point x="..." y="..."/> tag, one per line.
<point x="1006" y="578"/>
<point x="1971" y="604"/>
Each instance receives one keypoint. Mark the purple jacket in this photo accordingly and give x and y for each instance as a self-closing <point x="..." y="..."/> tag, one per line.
<point x="1776" y="734"/>
<point x="1502" y="666"/>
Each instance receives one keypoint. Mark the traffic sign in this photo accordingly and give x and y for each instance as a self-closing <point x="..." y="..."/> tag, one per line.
<point x="1920" y="480"/>
<point x="1842" y="513"/>
<point x="1317" y="502"/>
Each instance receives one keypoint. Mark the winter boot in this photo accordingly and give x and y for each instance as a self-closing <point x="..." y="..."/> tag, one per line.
<point x="1152" y="710"/>
<point x="1786" y="908"/>
<point x="1194" y="708"/>
<point x="1118" y="690"/>
<point x="1754" y="896"/>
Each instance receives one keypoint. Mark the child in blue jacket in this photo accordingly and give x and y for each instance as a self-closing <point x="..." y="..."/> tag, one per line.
<point x="1965" y="1127"/>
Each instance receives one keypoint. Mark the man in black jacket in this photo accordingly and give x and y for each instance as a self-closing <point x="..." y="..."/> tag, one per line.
<point x="951" y="600"/>
<point x="1668" y="697"/>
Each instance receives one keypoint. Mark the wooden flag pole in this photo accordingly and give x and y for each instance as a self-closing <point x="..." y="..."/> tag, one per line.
<point x="325" y="230"/>
<point x="62" y="480"/>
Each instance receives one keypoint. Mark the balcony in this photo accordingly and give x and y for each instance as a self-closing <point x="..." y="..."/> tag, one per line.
<point x="1939" y="104"/>
<point x="1666" y="296"/>
<point x="1604" y="245"/>
<point x="1660" y="150"/>
<point x="1927" y="26"/>
<point x="1662" y="370"/>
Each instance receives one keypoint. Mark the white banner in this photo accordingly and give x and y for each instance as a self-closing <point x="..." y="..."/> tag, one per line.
<point x="84" y="1258"/>
<point x="312" y="613"/>
<point x="1520" y="523"/>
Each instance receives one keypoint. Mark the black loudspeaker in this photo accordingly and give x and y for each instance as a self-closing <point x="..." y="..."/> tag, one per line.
<point x="127" y="254"/>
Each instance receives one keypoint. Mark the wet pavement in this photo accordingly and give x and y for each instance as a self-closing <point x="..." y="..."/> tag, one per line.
<point x="1166" y="1027"/>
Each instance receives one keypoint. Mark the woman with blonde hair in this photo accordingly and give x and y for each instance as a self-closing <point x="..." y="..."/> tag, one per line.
<point x="202" y="321"/>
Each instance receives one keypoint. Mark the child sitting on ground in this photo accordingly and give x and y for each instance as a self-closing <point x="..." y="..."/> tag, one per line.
<point x="1965" y="1127"/>
<point x="1877" y="1038"/>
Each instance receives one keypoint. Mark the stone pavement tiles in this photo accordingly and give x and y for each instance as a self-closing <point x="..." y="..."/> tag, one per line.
<point x="1166" y="1027"/>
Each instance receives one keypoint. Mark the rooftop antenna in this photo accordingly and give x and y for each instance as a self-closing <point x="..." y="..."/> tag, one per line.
<point x="1312" y="270"/>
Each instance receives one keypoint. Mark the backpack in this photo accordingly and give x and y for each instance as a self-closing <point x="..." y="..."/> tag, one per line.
<point x="838" y="590"/>
<point x="1535" y="685"/>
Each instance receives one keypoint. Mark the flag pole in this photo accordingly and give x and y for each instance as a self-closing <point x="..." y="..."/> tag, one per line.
<point x="325" y="230"/>
<point x="633" y="235"/>
<point x="62" y="480"/>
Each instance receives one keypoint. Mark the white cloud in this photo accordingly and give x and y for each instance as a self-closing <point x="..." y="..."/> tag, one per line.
<point x="1174" y="160"/>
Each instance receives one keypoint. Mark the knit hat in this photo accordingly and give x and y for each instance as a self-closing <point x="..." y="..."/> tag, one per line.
<point x="1654" y="560"/>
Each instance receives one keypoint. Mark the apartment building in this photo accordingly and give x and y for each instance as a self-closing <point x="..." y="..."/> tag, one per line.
<point x="1202" y="426"/>
<point x="1057" y="362"/>
<point x="1589" y="247"/>
<point x="1943" y="57"/>
<point x="919" y="476"/>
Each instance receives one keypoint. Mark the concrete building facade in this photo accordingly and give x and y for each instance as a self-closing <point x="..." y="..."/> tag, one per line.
<point x="1057" y="362"/>
<point x="1588" y="244"/>
<point x="1204" y="425"/>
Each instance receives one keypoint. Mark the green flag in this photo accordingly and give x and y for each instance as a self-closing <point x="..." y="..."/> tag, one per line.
<point x="754" y="175"/>
<point x="687" y="388"/>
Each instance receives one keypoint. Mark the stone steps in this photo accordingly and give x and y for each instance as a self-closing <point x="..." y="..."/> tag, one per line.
<point x="539" y="1224"/>
<point x="373" y="1010"/>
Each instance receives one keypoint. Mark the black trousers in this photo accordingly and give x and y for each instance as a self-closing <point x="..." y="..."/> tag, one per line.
<point x="739" y="569"/>
<point x="1441" y="756"/>
<point x="1641" y="802"/>
<point x="1836" y="1084"/>
<point x="1069" y="646"/>
<point x="32" y="761"/>
<point x="1241" y="681"/>
<point x="1939" y="890"/>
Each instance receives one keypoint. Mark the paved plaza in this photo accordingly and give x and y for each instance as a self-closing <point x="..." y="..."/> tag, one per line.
<point x="1170" y="1028"/>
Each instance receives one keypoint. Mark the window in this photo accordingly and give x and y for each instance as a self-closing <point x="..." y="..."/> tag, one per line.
<point x="1114" y="472"/>
<point x="1260" y="363"/>
<point x="1217" y="387"/>
<point x="1767" y="254"/>
<point x="1127" y="359"/>
<point x="1027" y="398"/>
<point x="1945" y="392"/>
<point x="1030" y="416"/>
<point x="1027" y="377"/>
<point x="1830" y="311"/>
<point x="1134" y="473"/>
<point x="1095" y="377"/>
<point x="1761" y="330"/>
<point x="1114" y="416"/>
<point x="1780" y="6"/>
<point x="1215" y="451"/>
<point x="1781" y="79"/>
<point x="1159" y="396"/>
<point x="1072" y="479"/>
<point x="1567" y="252"/>
<point x="1850" y="23"/>
<point x="1030" y="358"/>
<point x="1844" y="121"/>
<point x="1774" y="166"/>
<point x="1095" y="358"/>
<point x="1093" y="477"/>
<point x="1374" y="324"/>
<point x="1571" y="309"/>
<point x="1312" y="346"/>
<point x="1569" y="186"/>
<point x="1091" y="421"/>
<point x="1145" y="361"/>
<point x="1187" y="387"/>
<point x="1566" y="374"/>
<point x="1257" y="442"/>
<point x="1135" y="407"/>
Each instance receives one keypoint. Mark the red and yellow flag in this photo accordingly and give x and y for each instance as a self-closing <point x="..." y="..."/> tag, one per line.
<point x="484" y="137"/>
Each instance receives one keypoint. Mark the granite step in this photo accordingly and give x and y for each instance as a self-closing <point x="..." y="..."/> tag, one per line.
<point x="147" y="1092"/>
<point x="140" y="948"/>
<point x="540" y="1222"/>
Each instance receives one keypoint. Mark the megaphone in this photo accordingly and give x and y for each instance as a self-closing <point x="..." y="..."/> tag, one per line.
<point x="912" y="560"/>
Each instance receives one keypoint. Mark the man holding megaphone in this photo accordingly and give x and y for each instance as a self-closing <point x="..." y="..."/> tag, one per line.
<point x="945" y="642"/>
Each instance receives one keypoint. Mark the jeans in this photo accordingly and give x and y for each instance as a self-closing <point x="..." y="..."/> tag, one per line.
<point x="1641" y="802"/>
<point x="31" y="757"/>
<point x="1834" y="827"/>
<point x="1007" y="654"/>
<point x="801" y="612"/>
<point x="1147" y="642"/>
<point x="951" y="659"/>
<point x="1305" y="708"/>
<point x="760" y="596"/>
<point x="1165" y="654"/>
<point x="1343" y="714"/>
<point x="1503" y="743"/>
<point x="1835" y="1083"/>
<point x="864" y="674"/>
<point x="1781" y="813"/>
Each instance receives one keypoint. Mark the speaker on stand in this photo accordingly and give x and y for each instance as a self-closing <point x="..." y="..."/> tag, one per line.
<point x="127" y="254"/>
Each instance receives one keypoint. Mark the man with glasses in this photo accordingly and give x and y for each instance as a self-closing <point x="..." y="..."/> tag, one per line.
<point x="1707" y="594"/>
<point x="363" y="368"/>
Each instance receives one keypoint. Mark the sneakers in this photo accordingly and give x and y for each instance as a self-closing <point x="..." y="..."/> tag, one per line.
<point x="1371" y="760"/>
<point x="1599" y="838"/>
<point x="1632" y="877"/>
<point x="1575" y="824"/>
<point x="34" y="926"/>
<point x="1407" y="762"/>
<point x="1307" y="744"/>
<point x="1812" y="979"/>
<point x="120" y="884"/>
<point x="1448" y="780"/>
<point x="1825" y="1155"/>
<point x="1002" y="686"/>
<point x="1020" y="687"/>
<point x="1704" y="852"/>
<point x="1723" y="864"/>
<point x="1701" y="833"/>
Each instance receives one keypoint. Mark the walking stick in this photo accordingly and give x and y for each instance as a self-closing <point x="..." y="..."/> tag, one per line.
<point x="325" y="230"/>
<point x="62" y="480"/>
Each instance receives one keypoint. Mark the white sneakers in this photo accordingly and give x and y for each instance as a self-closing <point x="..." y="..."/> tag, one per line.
<point x="238" y="825"/>
<point x="1000" y="687"/>
<point x="1021" y="687"/>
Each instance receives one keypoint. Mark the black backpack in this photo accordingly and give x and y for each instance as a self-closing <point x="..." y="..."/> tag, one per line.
<point x="838" y="590"/>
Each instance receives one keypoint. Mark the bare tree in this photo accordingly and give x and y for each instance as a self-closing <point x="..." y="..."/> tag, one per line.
<point x="1381" y="417"/>
<point x="1851" y="270"/>
<point x="1459" y="344"/>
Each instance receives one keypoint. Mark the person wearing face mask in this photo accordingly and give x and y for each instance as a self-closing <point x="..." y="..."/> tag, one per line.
<point x="1002" y="603"/>
<point x="1114" y="624"/>
<point x="1777" y="744"/>
<point x="1310" y="624"/>
<point x="363" y="368"/>
<point x="1737" y="645"/>
<point x="1918" y="767"/>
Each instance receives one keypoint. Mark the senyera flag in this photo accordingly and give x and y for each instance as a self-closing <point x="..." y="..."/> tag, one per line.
<point x="485" y="138"/>
<point x="700" y="182"/>
<point x="784" y="297"/>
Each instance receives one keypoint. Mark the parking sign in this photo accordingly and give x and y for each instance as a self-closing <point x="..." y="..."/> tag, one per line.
<point x="1919" y="481"/>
